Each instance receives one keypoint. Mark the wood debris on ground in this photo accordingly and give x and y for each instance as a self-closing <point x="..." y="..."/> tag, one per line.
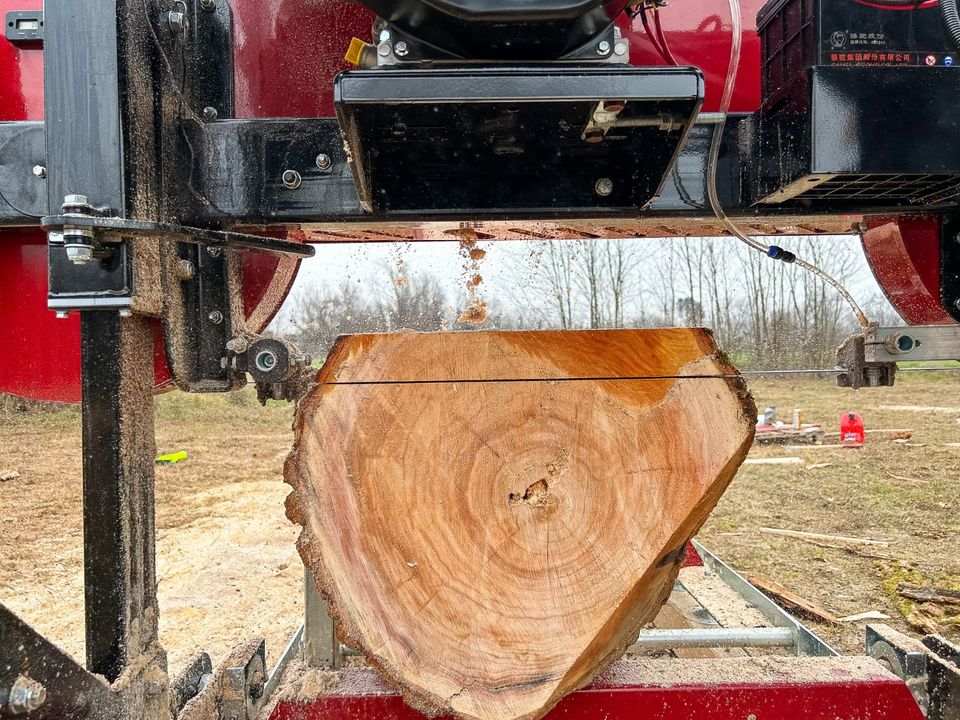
<point x="801" y="535"/>
<point x="791" y="601"/>
<point x="774" y="461"/>
<point x="864" y="616"/>
<point x="942" y="596"/>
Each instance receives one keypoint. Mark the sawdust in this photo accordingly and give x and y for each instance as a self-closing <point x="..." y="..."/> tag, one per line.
<point x="476" y="311"/>
<point x="720" y="600"/>
<point x="743" y="671"/>
<point x="226" y="563"/>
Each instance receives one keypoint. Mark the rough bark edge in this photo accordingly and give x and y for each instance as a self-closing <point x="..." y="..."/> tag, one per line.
<point x="433" y="705"/>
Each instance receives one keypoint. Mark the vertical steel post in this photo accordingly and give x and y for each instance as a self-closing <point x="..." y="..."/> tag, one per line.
<point x="321" y="649"/>
<point x="118" y="493"/>
<point x="99" y="106"/>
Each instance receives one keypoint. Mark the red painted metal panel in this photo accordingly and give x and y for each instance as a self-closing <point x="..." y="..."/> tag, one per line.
<point x="288" y="51"/>
<point x="692" y="557"/>
<point x="21" y="72"/>
<point x="40" y="354"/>
<point x="904" y="255"/>
<point x="699" y="34"/>
<point x="829" y="699"/>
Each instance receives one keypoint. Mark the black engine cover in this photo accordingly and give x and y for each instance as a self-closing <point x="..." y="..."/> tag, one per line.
<point x="518" y="30"/>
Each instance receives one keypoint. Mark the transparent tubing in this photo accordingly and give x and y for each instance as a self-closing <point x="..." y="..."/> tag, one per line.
<point x="712" y="165"/>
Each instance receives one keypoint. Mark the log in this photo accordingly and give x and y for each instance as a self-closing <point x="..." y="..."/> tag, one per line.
<point x="492" y="516"/>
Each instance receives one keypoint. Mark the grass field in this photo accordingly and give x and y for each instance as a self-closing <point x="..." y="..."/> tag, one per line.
<point x="228" y="569"/>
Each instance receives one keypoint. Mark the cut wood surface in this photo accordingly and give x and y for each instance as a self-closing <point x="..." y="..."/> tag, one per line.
<point x="493" y="516"/>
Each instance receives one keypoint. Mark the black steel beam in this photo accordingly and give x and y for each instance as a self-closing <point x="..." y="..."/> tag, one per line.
<point x="68" y="690"/>
<point x="118" y="493"/>
<point x="950" y="265"/>
<point x="85" y="148"/>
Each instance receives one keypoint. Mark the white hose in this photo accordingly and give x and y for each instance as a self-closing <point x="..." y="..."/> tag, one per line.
<point x="773" y="251"/>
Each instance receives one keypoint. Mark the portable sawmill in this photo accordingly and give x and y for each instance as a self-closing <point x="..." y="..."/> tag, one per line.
<point x="165" y="165"/>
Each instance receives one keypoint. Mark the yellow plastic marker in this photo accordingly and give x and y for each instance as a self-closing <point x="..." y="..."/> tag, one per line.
<point x="170" y="458"/>
<point x="355" y="51"/>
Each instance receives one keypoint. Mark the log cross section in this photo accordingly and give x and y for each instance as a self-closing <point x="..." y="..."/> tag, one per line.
<point x="493" y="540"/>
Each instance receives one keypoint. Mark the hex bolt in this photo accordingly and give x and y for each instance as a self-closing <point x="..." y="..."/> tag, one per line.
<point x="176" y="21"/>
<point x="401" y="49"/>
<point x="62" y="314"/>
<point x="26" y="699"/>
<point x="603" y="187"/>
<point x="209" y="113"/>
<point x="384" y="35"/>
<point x="238" y="345"/>
<point x="75" y="200"/>
<point x="40" y="171"/>
<point x="323" y="161"/>
<point x="603" y="48"/>
<point x="213" y="251"/>
<point x="125" y="312"/>
<point x="291" y="179"/>
<point x="208" y="4"/>
<point x="216" y="317"/>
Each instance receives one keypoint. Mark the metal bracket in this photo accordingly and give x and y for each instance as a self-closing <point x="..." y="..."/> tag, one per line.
<point x="869" y="359"/>
<point x="194" y="678"/>
<point x="243" y="685"/>
<point x="930" y="669"/>
<point x="279" y="369"/>
<point x="112" y="230"/>
<point x="855" y="371"/>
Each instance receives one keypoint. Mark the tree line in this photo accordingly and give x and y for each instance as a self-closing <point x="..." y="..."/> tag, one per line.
<point x="765" y="314"/>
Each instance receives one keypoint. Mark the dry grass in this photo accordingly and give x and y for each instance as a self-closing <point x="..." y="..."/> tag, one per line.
<point x="854" y="495"/>
<point x="228" y="568"/>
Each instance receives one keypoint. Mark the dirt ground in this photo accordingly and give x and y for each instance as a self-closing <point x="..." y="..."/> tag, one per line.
<point x="228" y="569"/>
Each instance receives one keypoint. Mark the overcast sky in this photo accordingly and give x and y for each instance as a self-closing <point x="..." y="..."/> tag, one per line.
<point x="508" y="266"/>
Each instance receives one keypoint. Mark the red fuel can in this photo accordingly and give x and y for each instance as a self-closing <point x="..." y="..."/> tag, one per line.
<point x="851" y="430"/>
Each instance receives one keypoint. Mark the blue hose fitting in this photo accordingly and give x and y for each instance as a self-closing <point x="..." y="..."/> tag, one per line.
<point x="778" y="253"/>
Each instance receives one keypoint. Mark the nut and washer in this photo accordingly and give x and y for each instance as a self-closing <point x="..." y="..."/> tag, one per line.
<point x="40" y="171"/>
<point x="208" y="4"/>
<point x="216" y="317"/>
<point x="209" y="113"/>
<point x="186" y="270"/>
<point x="603" y="48"/>
<point x="213" y="251"/>
<point x="401" y="49"/>
<point x="291" y="179"/>
<point x="26" y="696"/>
<point x="323" y="161"/>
